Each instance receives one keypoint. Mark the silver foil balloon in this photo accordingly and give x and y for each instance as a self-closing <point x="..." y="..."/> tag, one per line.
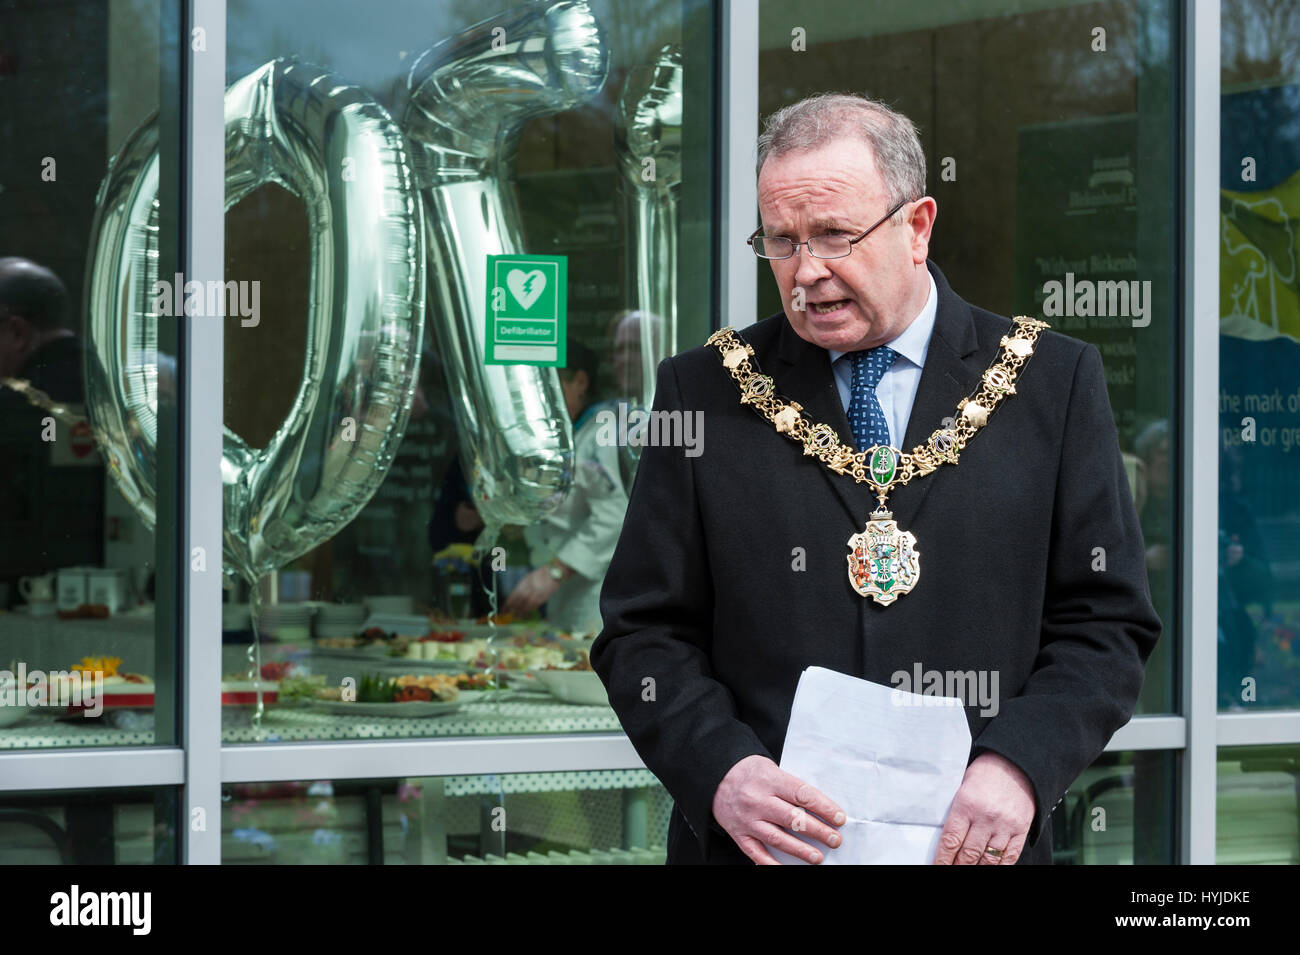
<point x="648" y="142"/>
<point x="468" y="99"/>
<point x="121" y="356"/>
<point x="339" y="151"/>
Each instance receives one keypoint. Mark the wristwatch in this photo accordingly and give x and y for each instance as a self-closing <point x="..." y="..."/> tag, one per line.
<point x="557" y="573"/>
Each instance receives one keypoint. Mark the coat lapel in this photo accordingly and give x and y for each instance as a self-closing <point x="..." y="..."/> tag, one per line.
<point x="952" y="368"/>
<point x="951" y="371"/>
<point x="803" y="374"/>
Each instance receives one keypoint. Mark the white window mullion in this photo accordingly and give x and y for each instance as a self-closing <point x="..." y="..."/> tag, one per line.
<point x="204" y="173"/>
<point x="1199" y="515"/>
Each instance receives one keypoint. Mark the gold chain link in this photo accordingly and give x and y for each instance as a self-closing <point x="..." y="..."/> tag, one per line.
<point x="944" y="446"/>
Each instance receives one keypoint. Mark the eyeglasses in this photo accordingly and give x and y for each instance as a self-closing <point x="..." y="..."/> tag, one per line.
<point x="821" y="246"/>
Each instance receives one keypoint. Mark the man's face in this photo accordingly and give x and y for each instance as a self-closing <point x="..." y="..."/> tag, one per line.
<point x="15" y="337"/>
<point x="627" y="355"/>
<point x="871" y="295"/>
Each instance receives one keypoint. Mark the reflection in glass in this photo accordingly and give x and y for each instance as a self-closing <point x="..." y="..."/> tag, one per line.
<point x="1259" y="358"/>
<point x="399" y="593"/>
<point x="89" y="827"/>
<point x="607" y="817"/>
<point x="1258" y="806"/>
<point x="1120" y="811"/>
<point x="84" y="581"/>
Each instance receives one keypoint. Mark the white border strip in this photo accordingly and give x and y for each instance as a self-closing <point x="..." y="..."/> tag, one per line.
<point x="107" y="768"/>
<point x="737" y="185"/>
<point x="1150" y="732"/>
<point x="1199" y="515"/>
<point x="1279" y="728"/>
<point x="466" y="756"/>
<point x="205" y="218"/>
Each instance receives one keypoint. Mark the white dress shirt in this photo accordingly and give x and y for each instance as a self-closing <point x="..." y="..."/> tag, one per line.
<point x="897" y="389"/>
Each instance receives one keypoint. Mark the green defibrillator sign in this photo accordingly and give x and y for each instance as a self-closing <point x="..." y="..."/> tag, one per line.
<point x="526" y="310"/>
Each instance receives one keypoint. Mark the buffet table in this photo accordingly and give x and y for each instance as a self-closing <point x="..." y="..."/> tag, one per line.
<point x="529" y="713"/>
<point x="51" y="643"/>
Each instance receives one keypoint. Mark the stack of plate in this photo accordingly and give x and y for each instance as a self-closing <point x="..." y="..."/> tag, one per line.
<point x="339" y="620"/>
<point x="286" y="622"/>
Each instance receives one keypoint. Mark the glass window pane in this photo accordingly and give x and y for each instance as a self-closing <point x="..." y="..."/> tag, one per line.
<point x="1120" y="811"/>
<point x="574" y="818"/>
<point x="89" y="827"/>
<point x="1259" y="358"/>
<point x="88" y="222"/>
<point x="1258" y="809"/>
<point x="1051" y="161"/>
<point x="350" y="517"/>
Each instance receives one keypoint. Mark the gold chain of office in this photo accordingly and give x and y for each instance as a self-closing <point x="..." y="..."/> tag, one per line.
<point x="944" y="446"/>
<point x="883" y="560"/>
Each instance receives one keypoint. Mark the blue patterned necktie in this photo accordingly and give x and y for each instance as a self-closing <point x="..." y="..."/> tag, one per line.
<point x="866" y="417"/>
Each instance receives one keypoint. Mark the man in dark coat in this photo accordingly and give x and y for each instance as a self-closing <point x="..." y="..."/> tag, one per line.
<point x="731" y="575"/>
<point x="51" y="514"/>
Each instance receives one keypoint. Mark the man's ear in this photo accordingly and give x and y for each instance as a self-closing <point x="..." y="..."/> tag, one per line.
<point x="921" y="224"/>
<point x="23" y="330"/>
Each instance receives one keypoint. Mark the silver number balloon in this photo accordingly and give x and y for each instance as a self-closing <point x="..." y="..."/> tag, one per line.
<point x="468" y="100"/>
<point x="333" y="146"/>
<point x="648" y="142"/>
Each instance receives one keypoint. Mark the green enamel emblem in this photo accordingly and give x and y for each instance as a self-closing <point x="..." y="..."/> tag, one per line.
<point x="884" y="463"/>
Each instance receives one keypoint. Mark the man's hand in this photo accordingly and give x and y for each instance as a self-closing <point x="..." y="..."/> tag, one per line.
<point x="757" y="801"/>
<point x="533" y="591"/>
<point x="993" y="809"/>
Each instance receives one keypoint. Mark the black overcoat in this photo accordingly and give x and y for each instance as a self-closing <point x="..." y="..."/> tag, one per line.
<point x="730" y="576"/>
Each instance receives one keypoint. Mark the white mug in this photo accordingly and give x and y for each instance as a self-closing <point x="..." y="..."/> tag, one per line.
<point x="37" y="590"/>
<point x="107" y="586"/>
<point x="70" y="591"/>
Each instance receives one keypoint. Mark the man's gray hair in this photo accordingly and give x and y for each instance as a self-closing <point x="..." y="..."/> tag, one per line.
<point x="820" y="119"/>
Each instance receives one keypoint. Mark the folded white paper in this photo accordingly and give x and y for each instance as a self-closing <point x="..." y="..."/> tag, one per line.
<point x="892" y="760"/>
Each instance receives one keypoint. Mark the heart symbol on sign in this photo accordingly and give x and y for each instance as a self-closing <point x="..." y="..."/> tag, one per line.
<point x="526" y="286"/>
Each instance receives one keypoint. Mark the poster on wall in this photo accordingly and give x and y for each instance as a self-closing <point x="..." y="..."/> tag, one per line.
<point x="1076" y="243"/>
<point x="1259" y="397"/>
<point x="1259" y="292"/>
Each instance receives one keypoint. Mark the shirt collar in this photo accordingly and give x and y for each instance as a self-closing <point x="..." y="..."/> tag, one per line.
<point x="914" y="342"/>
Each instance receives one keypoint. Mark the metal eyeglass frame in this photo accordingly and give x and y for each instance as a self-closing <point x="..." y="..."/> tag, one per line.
<point x="794" y="246"/>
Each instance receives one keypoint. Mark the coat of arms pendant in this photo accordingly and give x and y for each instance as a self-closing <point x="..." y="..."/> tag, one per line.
<point x="883" y="561"/>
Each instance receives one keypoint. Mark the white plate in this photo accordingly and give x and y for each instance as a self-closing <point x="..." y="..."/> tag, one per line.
<point x="485" y="696"/>
<point x="413" y="710"/>
<point x="574" y="686"/>
<point x="519" y="679"/>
